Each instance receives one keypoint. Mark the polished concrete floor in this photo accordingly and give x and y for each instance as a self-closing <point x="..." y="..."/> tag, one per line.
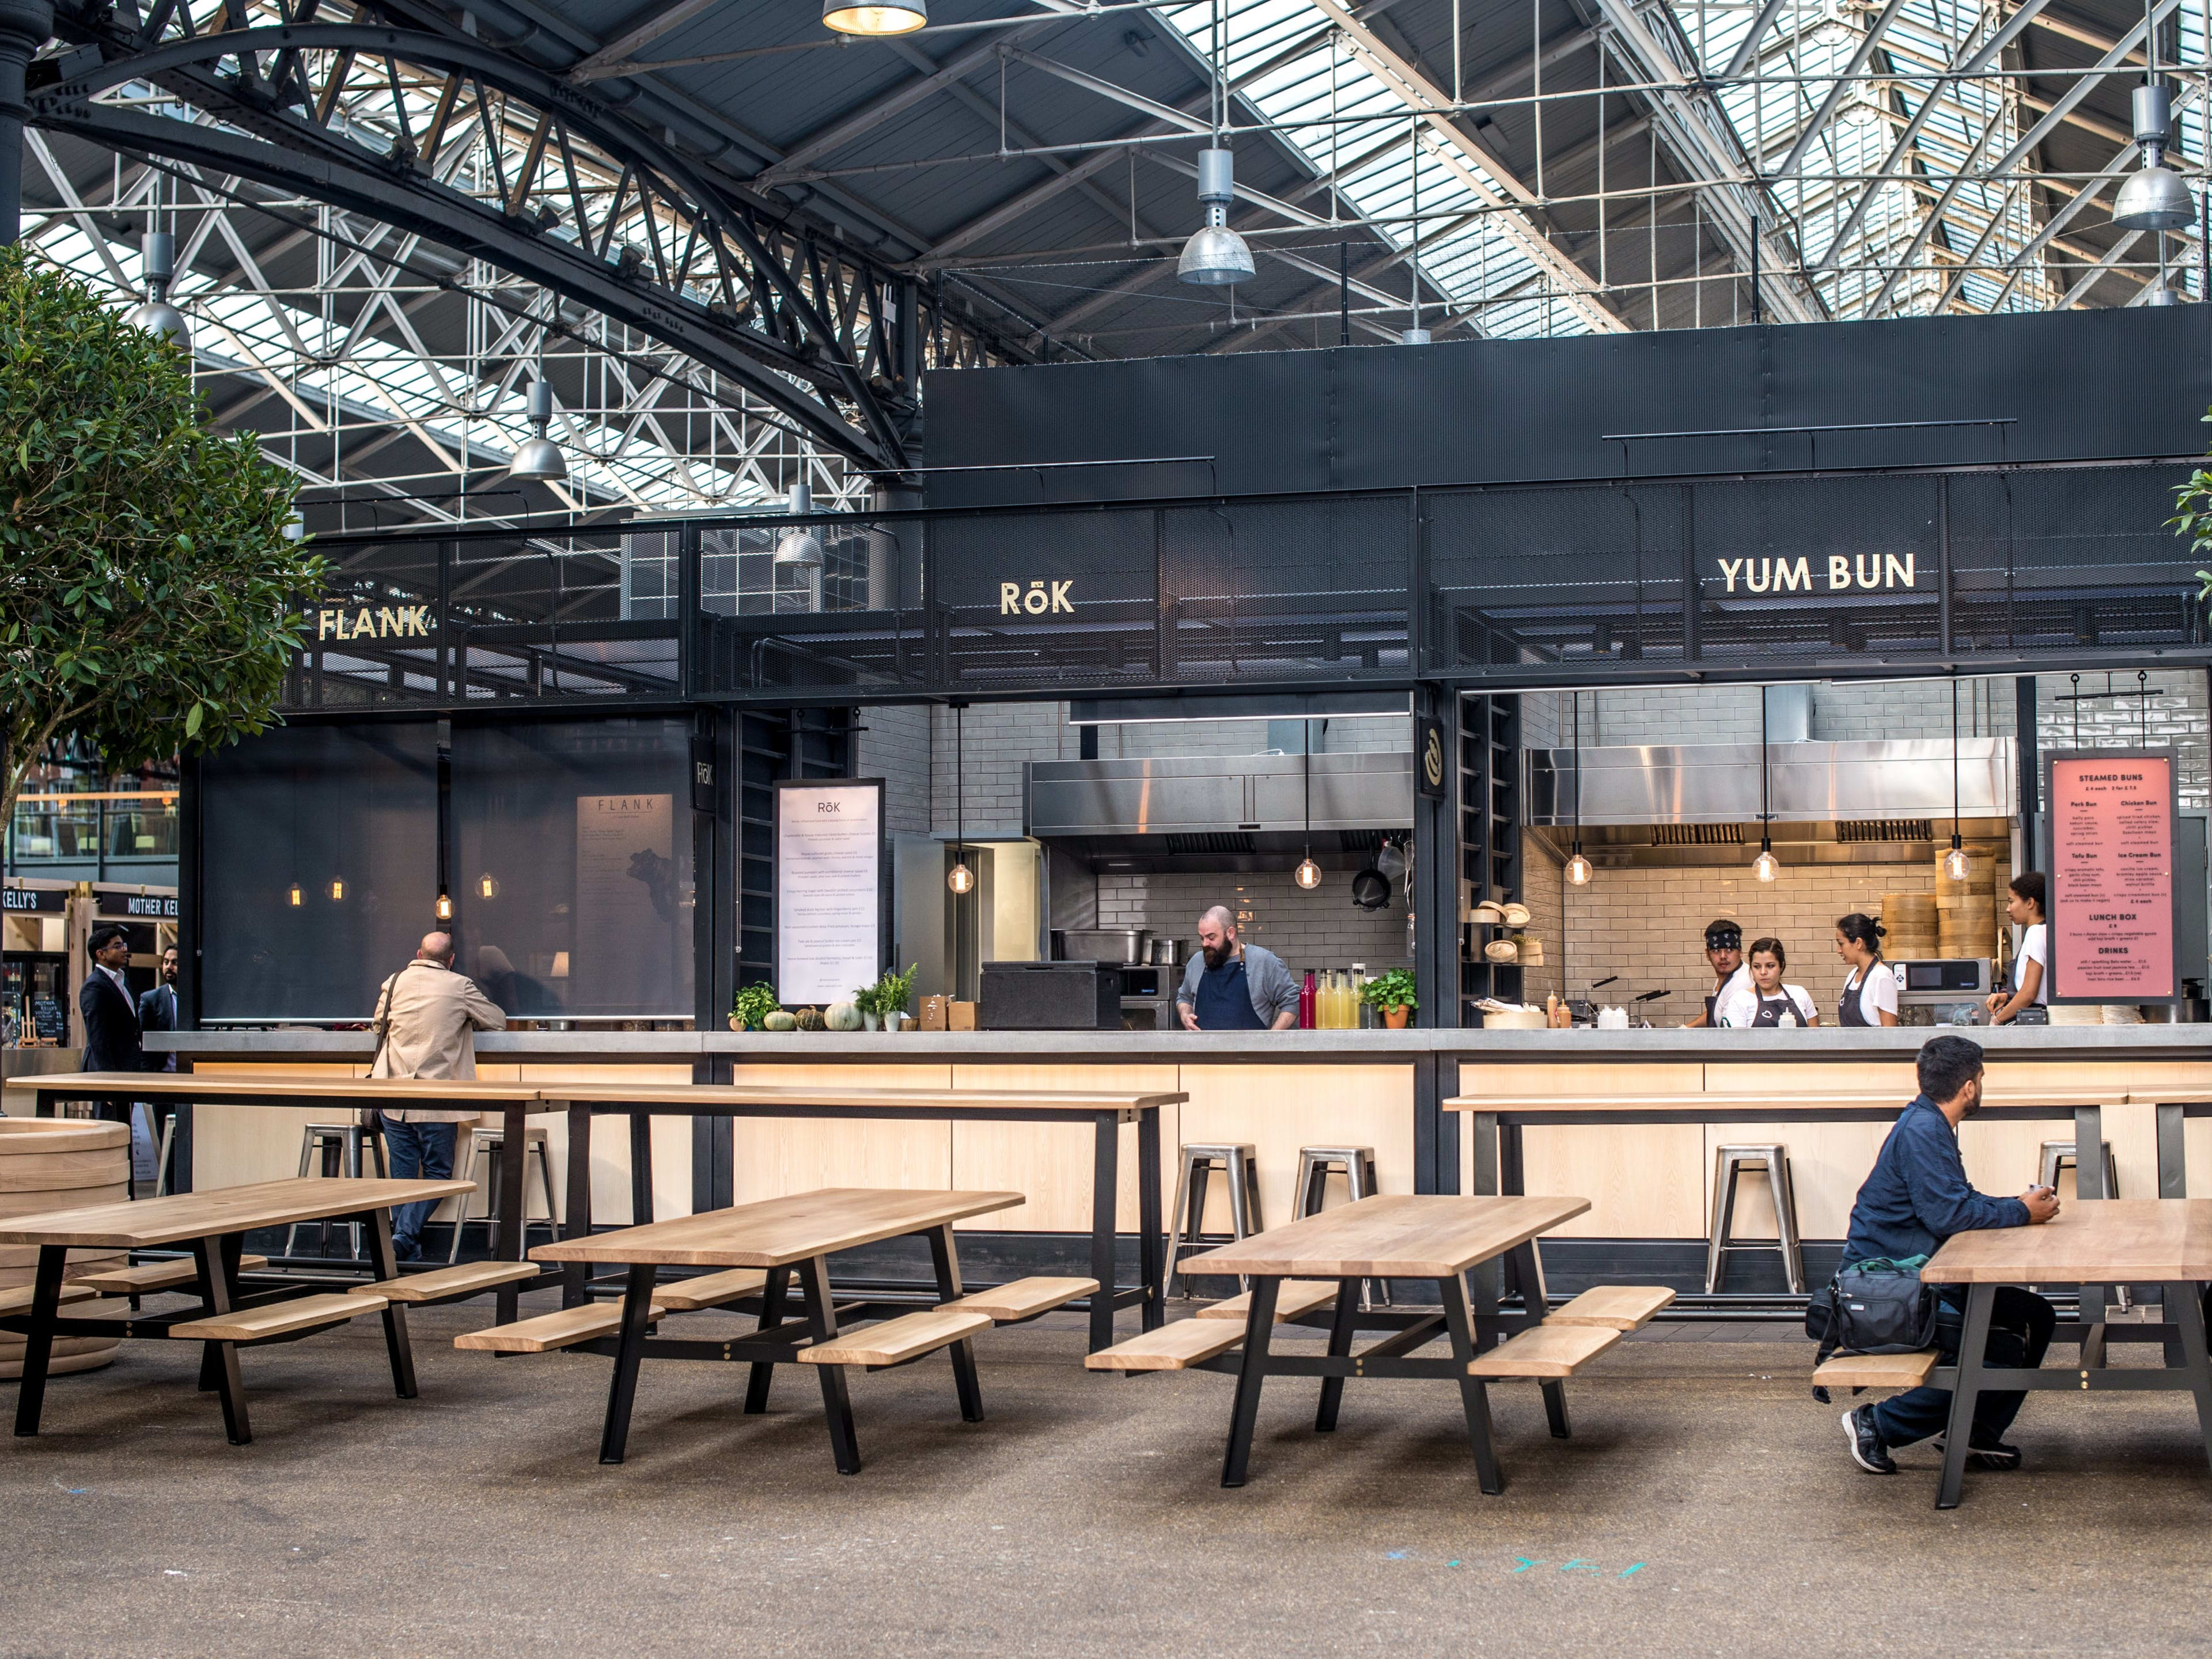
<point x="1706" y="1504"/>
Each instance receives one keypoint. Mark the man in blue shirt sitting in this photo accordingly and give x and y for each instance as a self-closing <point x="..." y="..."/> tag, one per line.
<point x="1918" y="1196"/>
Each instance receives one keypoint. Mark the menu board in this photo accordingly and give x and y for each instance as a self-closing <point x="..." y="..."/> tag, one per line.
<point x="628" y="911"/>
<point x="829" y="889"/>
<point x="2111" y="915"/>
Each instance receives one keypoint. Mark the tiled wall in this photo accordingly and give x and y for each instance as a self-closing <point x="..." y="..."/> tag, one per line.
<point x="2176" y="716"/>
<point x="894" y="747"/>
<point x="1319" y="929"/>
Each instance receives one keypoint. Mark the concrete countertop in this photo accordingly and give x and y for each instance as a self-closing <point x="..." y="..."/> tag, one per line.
<point x="2056" y="1042"/>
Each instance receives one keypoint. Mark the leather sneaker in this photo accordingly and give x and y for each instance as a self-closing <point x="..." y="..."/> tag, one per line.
<point x="1867" y="1450"/>
<point x="1998" y="1459"/>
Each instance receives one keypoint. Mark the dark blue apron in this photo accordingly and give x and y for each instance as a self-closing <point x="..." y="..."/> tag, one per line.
<point x="1225" y="1000"/>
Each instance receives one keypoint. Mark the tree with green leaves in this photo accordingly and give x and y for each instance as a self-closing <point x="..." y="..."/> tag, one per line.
<point x="150" y="595"/>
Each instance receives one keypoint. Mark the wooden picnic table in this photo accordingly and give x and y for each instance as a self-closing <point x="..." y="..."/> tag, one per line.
<point x="215" y="1224"/>
<point x="2164" y="1241"/>
<point x="1105" y="1110"/>
<point x="799" y="1233"/>
<point x="1402" y="1235"/>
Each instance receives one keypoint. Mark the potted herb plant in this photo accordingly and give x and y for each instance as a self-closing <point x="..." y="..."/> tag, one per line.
<point x="1393" y="993"/>
<point x="753" y="1007"/>
<point x="883" y="1004"/>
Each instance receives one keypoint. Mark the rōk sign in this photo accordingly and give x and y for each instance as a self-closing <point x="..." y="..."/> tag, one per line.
<point x="2113" y="932"/>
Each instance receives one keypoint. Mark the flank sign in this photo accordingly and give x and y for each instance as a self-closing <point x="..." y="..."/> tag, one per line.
<point x="1863" y="572"/>
<point x="383" y="622"/>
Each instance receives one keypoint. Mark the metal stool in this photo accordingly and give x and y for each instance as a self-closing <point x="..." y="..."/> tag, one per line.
<point x="1730" y="1163"/>
<point x="2057" y="1154"/>
<point x="1356" y="1165"/>
<point x="489" y="1143"/>
<point x="337" y="1148"/>
<point x="1185" y="1217"/>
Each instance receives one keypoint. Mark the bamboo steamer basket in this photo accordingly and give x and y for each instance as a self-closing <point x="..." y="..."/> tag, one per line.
<point x="1909" y="925"/>
<point x="56" y="1163"/>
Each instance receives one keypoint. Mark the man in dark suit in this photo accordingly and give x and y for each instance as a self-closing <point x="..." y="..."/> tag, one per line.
<point x="111" y="1013"/>
<point x="157" y="1010"/>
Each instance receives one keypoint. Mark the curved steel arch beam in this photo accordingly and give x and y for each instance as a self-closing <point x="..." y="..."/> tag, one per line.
<point x="296" y="153"/>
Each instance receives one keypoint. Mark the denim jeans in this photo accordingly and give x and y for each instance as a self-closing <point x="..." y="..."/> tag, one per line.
<point x="418" y="1151"/>
<point x="2021" y="1324"/>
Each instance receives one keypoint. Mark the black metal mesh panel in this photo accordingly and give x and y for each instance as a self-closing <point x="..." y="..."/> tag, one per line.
<point x="572" y="875"/>
<point x="319" y="862"/>
<point x="2057" y="561"/>
<point x="580" y="614"/>
<point x="1560" y="576"/>
<point x="372" y="635"/>
<point x="1300" y="589"/>
<point x="774" y="623"/>
<point x="1064" y="596"/>
<point x="1805" y="571"/>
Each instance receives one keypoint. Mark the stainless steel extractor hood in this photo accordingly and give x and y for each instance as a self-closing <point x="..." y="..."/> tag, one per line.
<point x="1718" y="783"/>
<point x="1219" y="811"/>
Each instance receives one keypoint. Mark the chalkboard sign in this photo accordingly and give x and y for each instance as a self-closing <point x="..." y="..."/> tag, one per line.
<point x="49" y="1019"/>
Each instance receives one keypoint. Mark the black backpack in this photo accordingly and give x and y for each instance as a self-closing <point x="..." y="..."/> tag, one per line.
<point x="1877" y="1306"/>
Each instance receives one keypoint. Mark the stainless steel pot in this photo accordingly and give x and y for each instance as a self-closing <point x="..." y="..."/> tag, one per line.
<point x="1166" y="952"/>
<point x="1115" y="944"/>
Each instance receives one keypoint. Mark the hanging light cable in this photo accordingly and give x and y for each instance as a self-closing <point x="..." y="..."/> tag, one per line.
<point x="1954" y="861"/>
<point x="1308" y="874"/>
<point x="960" y="878"/>
<point x="1578" y="867"/>
<point x="1765" y="866"/>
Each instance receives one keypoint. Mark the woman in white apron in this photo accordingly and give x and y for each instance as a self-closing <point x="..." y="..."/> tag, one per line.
<point x="1870" y="991"/>
<point x="2030" y="986"/>
<point x="1766" y="1003"/>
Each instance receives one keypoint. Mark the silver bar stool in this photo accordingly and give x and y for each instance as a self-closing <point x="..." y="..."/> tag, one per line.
<point x="1729" y="1165"/>
<point x="1186" y="1218"/>
<point x="336" y="1147"/>
<point x="2057" y="1155"/>
<point x="488" y="1144"/>
<point x="1356" y="1165"/>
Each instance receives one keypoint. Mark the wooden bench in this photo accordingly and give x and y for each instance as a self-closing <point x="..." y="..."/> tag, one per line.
<point x="292" y="1318"/>
<point x="710" y="1290"/>
<point x="1614" y="1307"/>
<point x="547" y="1332"/>
<point x="1876" y="1371"/>
<point x="150" y="1277"/>
<point x="17" y="1299"/>
<point x="895" y="1341"/>
<point x="448" y="1284"/>
<point x="1173" y="1347"/>
<point x="1297" y="1296"/>
<point x="1025" y="1298"/>
<point x="1546" y="1352"/>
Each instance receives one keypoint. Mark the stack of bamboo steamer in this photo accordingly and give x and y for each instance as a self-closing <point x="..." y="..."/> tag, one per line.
<point x="53" y="1163"/>
<point x="1909" y="929"/>
<point x="1967" y="911"/>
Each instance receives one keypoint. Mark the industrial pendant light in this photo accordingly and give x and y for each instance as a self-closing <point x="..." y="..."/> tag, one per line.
<point x="1954" y="861"/>
<point x="444" y="906"/>
<point x="902" y="18"/>
<point x="487" y="885"/>
<point x="960" y="878"/>
<point x="800" y="549"/>
<point x="2153" y="197"/>
<point x="1765" y="866"/>
<point x="1579" y="870"/>
<point x="154" y="313"/>
<point x="1215" y="256"/>
<point x="1308" y="874"/>
<point x="540" y="460"/>
<point x="337" y="889"/>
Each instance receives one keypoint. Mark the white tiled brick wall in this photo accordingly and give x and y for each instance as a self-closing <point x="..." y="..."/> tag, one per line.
<point x="2176" y="716"/>
<point x="1319" y="929"/>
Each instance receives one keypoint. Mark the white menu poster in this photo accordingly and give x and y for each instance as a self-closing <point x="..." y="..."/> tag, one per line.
<point x="828" y="887"/>
<point x="627" y="910"/>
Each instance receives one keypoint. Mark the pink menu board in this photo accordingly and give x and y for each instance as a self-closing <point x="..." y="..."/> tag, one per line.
<point x="2111" y="877"/>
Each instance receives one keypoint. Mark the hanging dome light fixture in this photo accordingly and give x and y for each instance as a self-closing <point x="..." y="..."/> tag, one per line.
<point x="540" y="460"/>
<point x="1215" y="256"/>
<point x="154" y="313"/>
<point x="902" y="18"/>
<point x="799" y="550"/>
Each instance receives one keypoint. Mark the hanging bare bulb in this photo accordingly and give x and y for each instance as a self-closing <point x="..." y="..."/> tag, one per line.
<point x="1579" y="869"/>
<point x="1766" y="867"/>
<point x="1308" y="874"/>
<point x="487" y="885"/>
<point x="960" y="879"/>
<point x="297" y="897"/>
<point x="445" y="905"/>
<point x="1954" y="861"/>
<point x="337" y="889"/>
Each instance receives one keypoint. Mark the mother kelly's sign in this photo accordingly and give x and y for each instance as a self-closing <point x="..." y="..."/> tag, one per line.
<point x="2112" y="928"/>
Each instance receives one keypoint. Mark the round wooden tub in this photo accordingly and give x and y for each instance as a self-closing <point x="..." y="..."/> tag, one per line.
<point x="58" y="1164"/>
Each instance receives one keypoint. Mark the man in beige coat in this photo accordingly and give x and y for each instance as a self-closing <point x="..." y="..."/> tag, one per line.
<point x="426" y="1021"/>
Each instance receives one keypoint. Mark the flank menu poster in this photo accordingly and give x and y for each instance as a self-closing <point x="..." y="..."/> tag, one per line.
<point x="829" y="890"/>
<point x="2112" y="916"/>
<point x="628" y="910"/>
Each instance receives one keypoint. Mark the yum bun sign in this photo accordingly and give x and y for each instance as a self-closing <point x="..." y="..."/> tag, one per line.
<point x="1861" y="572"/>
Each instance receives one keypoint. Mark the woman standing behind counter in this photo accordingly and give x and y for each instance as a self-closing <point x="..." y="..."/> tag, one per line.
<point x="1765" y="1002"/>
<point x="1870" y="992"/>
<point x="2029" y="969"/>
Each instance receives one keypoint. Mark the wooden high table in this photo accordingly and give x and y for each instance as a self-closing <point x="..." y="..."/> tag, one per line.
<point x="1437" y="1238"/>
<point x="215" y="1224"/>
<point x="799" y="1231"/>
<point x="2166" y="1241"/>
<point x="1106" y="1110"/>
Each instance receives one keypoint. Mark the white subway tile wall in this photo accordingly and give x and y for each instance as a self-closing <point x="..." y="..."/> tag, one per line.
<point x="2105" y="711"/>
<point x="1319" y="929"/>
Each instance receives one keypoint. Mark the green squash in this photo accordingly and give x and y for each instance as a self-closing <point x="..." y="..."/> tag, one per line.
<point x="780" y="1021"/>
<point x="843" y="1017"/>
<point x="810" y="1020"/>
